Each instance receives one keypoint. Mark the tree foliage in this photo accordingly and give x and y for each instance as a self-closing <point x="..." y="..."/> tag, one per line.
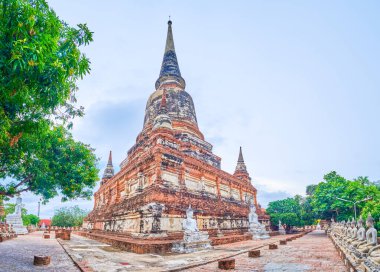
<point x="40" y="63"/>
<point x="69" y="217"/>
<point x="30" y="219"/>
<point x="326" y="202"/>
<point x="323" y="201"/>
<point x="294" y="211"/>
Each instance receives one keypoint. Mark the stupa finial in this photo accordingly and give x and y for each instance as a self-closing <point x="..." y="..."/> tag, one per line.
<point x="170" y="68"/>
<point x="109" y="171"/>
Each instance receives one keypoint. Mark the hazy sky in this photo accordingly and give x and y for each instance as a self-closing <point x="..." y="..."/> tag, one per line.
<point x="295" y="83"/>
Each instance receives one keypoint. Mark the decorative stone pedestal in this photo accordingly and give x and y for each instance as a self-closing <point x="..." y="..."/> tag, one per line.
<point x="16" y="221"/>
<point x="192" y="242"/>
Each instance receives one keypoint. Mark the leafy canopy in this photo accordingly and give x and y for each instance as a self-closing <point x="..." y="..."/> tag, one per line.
<point x="69" y="217"/>
<point x="294" y="211"/>
<point x="40" y="63"/>
<point x="323" y="201"/>
<point x="326" y="198"/>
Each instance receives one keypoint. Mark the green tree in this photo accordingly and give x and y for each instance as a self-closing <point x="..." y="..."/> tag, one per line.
<point x="295" y="211"/>
<point x="30" y="219"/>
<point x="326" y="202"/>
<point x="69" y="217"/>
<point x="310" y="189"/>
<point x="287" y="210"/>
<point x="40" y="63"/>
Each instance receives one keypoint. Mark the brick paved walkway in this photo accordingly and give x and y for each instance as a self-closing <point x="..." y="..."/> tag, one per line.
<point x="313" y="252"/>
<point x="101" y="257"/>
<point x="17" y="255"/>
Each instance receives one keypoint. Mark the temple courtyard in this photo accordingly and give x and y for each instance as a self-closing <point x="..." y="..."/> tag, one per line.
<point x="312" y="252"/>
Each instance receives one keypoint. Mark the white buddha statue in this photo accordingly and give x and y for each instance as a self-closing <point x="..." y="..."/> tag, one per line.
<point x="255" y="227"/>
<point x="352" y="233"/>
<point x="252" y="216"/>
<point x="347" y="229"/>
<point x="190" y="224"/>
<point x="371" y="237"/>
<point x="281" y="229"/>
<point x="360" y="234"/>
<point x="372" y="262"/>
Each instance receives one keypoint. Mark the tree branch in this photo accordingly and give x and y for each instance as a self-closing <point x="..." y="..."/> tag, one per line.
<point x="22" y="190"/>
<point x="28" y="178"/>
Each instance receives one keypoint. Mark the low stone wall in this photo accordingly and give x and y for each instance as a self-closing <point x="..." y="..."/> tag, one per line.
<point x="139" y="246"/>
<point x="156" y="245"/>
<point x="230" y="239"/>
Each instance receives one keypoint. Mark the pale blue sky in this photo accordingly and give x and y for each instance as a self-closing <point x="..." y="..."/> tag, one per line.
<point x="296" y="83"/>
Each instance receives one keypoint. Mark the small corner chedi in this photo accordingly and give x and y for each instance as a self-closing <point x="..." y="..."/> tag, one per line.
<point x="170" y="169"/>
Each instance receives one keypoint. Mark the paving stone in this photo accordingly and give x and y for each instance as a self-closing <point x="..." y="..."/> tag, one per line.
<point x="312" y="252"/>
<point x="17" y="255"/>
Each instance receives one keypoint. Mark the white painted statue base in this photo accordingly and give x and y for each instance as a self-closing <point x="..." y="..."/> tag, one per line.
<point x="16" y="222"/>
<point x="258" y="231"/>
<point x="192" y="242"/>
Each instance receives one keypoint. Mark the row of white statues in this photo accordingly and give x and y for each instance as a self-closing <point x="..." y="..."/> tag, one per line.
<point x="358" y="244"/>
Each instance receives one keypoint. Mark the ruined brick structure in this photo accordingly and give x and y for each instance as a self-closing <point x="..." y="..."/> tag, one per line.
<point x="170" y="167"/>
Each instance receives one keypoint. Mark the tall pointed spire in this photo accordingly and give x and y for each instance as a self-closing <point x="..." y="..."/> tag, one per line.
<point x="110" y="159"/>
<point x="169" y="68"/>
<point x="109" y="171"/>
<point x="240" y="159"/>
<point x="241" y="169"/>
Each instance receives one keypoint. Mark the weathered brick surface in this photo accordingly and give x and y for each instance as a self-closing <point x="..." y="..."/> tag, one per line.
<point x="254" y="253"/>
<point x="172" y="166"/>
<point x="41" y="260"/>
<point x="273" y="246"/>
<point x="226" y="264"/>
<point x="312" y="252"/>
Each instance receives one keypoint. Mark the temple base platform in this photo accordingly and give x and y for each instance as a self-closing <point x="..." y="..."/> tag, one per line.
<point x="160" y="245"/>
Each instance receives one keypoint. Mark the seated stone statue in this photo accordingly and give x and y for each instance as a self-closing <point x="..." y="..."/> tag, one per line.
<point x="190" y="224"/>
<point x="360" y="235"/>
<point x="372" y="262"/>
<point x="347" y="229"/>
<point x="255" y="227"/>
<point x="353" y="232"/>
<point x="371" y="237"/>
<point x="340" y="232"/>
<point x="193" y="239"/>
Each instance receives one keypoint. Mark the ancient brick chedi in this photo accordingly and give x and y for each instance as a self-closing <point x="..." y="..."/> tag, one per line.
<point x="170" y="167"/>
